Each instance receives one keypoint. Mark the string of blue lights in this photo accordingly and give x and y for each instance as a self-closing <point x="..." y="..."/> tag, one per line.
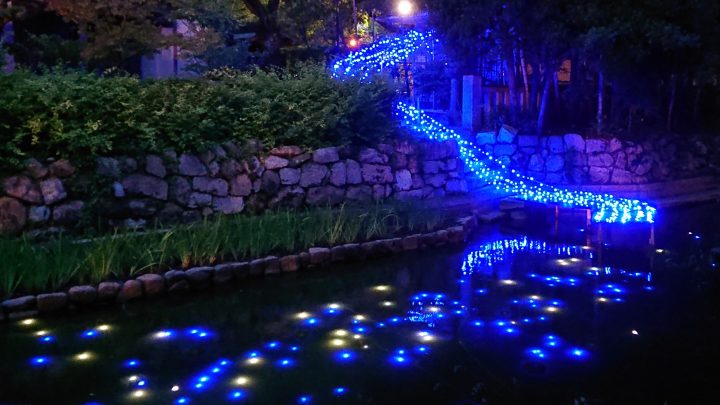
<point x="389" y="52"/>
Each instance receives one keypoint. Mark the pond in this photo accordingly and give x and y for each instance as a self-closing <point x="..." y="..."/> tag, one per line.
<point x="512" y="317"/>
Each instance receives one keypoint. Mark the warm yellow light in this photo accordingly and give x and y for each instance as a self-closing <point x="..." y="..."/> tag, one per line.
<point x="562" y="262"/>
<point x="357" y="337"/>
<point x="28" y="322"/>
<point x="404" y="8"/>
<point x="433" y="309"/>
<point x="602" y="299"/>
<point x="535" y="297"/>
<point x="303" y="315"/>
<point x="175" y="388"/>
<point x="387" y="304"/>
<point x="103" y="328"/>
<point x="84" y="356"/>
<point x="426" y="337"/>
<point x="508" y="282"/>
<point x="340" y="333"/>
<point x="360" y="317"/>
<point x="242" y="380"/>
<point x="41" y="333"/>
<point x="337" y="342"/>
<point x="334" y="306"/>
<point x="254" y="361"/>
<point x="133" y="378"/>
<point x="382" y="288"/>
<point x="139" y="394"/>
<point x="552" y="309"/>
<point x="659" y="251"/>
<point x="575" y="260"/>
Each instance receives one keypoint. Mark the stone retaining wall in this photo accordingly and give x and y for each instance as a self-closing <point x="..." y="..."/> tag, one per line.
<point x="226" y="180"/>
<point x="573" y="159"/>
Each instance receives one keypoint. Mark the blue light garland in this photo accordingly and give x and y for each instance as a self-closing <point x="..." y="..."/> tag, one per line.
<point x="389" y="52"/>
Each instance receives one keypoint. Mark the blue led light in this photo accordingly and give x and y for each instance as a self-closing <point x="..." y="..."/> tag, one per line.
<point x="236" y="395"/>
<point x="285" y="363"/>
<point x="182" y="400"/>
<point x="132" y="363"/>
<point x="422" y="349"/>
<point x="89" y="334"/>
<point x="47" y="339"/>
<point x="304" y="399"/>
<point x="578" y="353"/>
<point x="273" y="345"/>
<point x="345" y="356"/>
<point x="311" y="321"/>
<point x="39" y="361"/>
<point x="339" y="391"/>
<point x="537" y="353"/>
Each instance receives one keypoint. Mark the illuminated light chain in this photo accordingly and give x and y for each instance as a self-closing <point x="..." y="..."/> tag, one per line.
<point x="385" y="53"/>
<point x="389" y="52"/>
<point x="606" y="208"/>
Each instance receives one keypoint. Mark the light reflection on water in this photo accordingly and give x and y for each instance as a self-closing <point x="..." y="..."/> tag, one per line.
<point x="531" y="303"/>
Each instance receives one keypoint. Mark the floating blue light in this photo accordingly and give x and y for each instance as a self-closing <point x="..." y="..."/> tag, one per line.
<point x="89" y="334"/>
<point x="132" y="363"/>
<point x="47" y="339"/>
<point x="537" y="353"/>
<point x="340" y="391"/>
<point x="285" y="363"/>
<point x="236" y="395"/>
<point x="304" y="399"/>
<point x="182" y="401"/>
<point x="39" y="361"/>
<point x="345" y="356"/>
<point x="273" y="345"/>
<point x="578" y="353"/>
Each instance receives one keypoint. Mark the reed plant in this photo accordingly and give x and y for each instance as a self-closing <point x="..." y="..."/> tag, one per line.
<point x="29" y="266"/>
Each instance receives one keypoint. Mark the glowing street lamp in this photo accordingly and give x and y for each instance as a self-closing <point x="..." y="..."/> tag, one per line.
<point x="405" y="8"/>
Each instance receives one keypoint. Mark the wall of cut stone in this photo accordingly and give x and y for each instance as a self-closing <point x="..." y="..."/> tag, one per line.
<point x="171" y="188"/>
<point x="573" y="159"/>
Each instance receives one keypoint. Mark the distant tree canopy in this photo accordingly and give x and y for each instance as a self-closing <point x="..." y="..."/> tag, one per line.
<point x="649" y="60"/>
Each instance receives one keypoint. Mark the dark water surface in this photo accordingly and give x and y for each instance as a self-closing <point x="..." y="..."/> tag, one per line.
<point x="513" y="317"/>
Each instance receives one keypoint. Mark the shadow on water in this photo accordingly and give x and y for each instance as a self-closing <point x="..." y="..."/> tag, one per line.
<point x="513" y="317"/>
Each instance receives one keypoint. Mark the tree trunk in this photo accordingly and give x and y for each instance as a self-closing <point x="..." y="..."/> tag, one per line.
<point x="510" y="72"/>
<point x="523" y="66"/>
<point x="547" y="87"/>
<point x="599" y="117"/>
<point x="671" y="105"/>
<point x="533" y="102"/>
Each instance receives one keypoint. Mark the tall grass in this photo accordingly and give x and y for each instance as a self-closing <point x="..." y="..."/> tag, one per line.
<point x="32" y="267"/>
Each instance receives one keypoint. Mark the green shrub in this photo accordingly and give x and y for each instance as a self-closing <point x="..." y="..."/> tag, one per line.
<point x="79" y="116"/>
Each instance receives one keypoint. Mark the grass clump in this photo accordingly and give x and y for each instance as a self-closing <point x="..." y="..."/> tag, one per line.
<point x="31" y="267"/>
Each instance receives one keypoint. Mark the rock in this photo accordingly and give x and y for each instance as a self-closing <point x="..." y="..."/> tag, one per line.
<point x="595" y="146"/>
<point x="13" y="215"/>
<point x="144" y="185"/>
<point x="376" y="174"/>
<point x="528" y="141"/>
<point x="299" y="160"/>
<point x="52" y="190"/>
<point x="82" y="294"/>
<point x="174" y="276"/>
<point x="506" y="134"/>
<point x="485" y="138"/>
<point x="218" y="187"/>
<point x="319" y="256"/>
<point x="130" y="290"/>
<point x="153" y="284"/>
<point x="432" y="166"/>
<point x="290" y="263"/>
<point x="403" y="180"/>
<point x="491" y="216"/>
<point x="275" y="162"/>
<point x="370" y="155"/>
<point x="621" y="177"/>
<point x="312" y="175"/>
<point x="118" y="190"/>
<point x="270" y="182"/>
<point x="286" y="151"/>
<point x="555" y="144"/>
<point x="354" y="173"/>
<point x="511" y="204"/>
<point x="599" y="175"/>
<point x="576" y="158"/>
<point x="505" y="150"/>
<point x="19" y="304"/>
<point x="128" y="165"/>
<point x="179" y="190"/>
<point x="326" y="155"/>
<point x="644" y="166"/>
<point x="207" y="156"/>
<point x="337" y="254"/>
<point x="241" y="186"/>
<point x="228" y="205"/>
<point x="38" y="214"/>
<point x="230" y="168"/>
<point x="69" y="212"/>
<point x="223" y="274"/>
<point x="338" y="174"/>
<point x="456" y="234"/>
<point x="108" y="167"/>
<point x="614" y="145"/>
<point x="22" y="188"/>
<point x="554" y="163"/>
<point x="180" y="286"/>
<point x="327" y="195"/>
<point x="154" y="165"/>
<point x="359" y="193"/>
<point x="190" y="165"/>
<point x="601" y="160"/>
<point x="456" y="187"/>
<point x="197" y="200"/>
<point x="537" y="163"/>
<point x="272" y="265"/>
<point x="36" y="169"/>
<point x="436" y="180"/>
<point x="381" y="192"/>
<point x="555" y="178"/>
<point x="199" y="276"/>
<point x="621" y="160"/>
<point x="411" y="242"/>
<point x="256" y="267"/>
<point x="289" y="177"/>
<point x="292" y="196"/>
<point x="574" y="142"/>
<point x="62" y="168"/>
<point x="108" y="291"/>
<point x="51" y="302"/>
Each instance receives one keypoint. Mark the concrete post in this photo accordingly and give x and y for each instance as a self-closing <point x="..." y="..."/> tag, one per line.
<point x="472" y="103"/>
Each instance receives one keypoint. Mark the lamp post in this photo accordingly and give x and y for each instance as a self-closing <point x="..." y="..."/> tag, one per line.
<point x="405" y="8"/>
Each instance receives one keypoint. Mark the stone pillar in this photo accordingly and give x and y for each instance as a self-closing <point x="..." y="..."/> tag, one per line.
<point x="472" y="102"/>
<point x="454" y="114"/>
<point x="7" y="36"/>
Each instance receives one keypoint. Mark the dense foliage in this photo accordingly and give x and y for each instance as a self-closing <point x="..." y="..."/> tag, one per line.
<point x="80" y="116"/>
<point x="32" y="267"/>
